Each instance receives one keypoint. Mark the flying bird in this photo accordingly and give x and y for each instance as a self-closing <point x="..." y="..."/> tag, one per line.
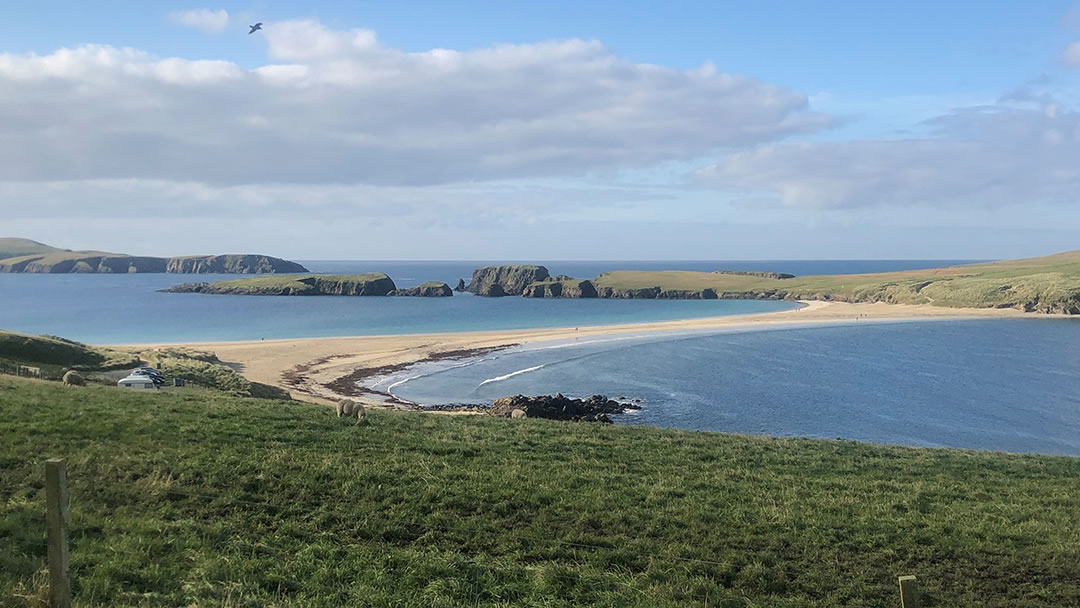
<point x="255" y="28"/>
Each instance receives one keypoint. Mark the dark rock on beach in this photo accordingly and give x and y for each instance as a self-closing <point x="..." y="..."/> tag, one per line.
<point x="557" y="407"/>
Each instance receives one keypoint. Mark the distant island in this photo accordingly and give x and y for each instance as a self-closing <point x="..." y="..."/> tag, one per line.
<point x="1048" y="284"/>
<point x="27" y="256"/>
<point x="371" y="284"/>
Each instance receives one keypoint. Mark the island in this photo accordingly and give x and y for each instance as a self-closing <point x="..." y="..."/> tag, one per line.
<point x="27" y="256"/>
<point x="1049" y="284"/>
<point x="371" y="284"/>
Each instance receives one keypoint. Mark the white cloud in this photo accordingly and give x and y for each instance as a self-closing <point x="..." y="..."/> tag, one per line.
<point x="985" y="156"/>
<point x="1072" y="55"/>
<point x="337" y="107"/>
<point x="204" y="19"/>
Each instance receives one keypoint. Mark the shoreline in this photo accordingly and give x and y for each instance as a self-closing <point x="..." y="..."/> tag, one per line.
<point x="309" y="367"/>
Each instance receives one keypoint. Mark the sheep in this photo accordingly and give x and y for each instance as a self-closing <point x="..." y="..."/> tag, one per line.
<point x="518" y="414"/>
<point x="351" y="409"/>
<point x="72" y="378"/>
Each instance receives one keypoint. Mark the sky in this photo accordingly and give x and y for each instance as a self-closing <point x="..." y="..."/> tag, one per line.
<point x="557" y="130"/>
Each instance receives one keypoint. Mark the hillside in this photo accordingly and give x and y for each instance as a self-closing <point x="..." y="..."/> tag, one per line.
<point x="52" y="353"/>
<point x="26" y="256"/>
<point x="1047" y="285"/>
<point x="15" y="247"/>
<point x="371" y="284"/>
<point x="201" y="500"/>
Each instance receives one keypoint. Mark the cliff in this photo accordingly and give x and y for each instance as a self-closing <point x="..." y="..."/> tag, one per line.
<point x="564" y="288"/>
<point x="373" y="284"/>
<point x="509" y="280"/>
<point x="23" y="255"/>
<point x="231" y="264"/>
<point x="431" y="289"/>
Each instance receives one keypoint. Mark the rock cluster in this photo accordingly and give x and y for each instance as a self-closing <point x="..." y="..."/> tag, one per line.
<point x="495" y="281"/>
<point x="557" y="407"/>
<point x="561" y="288"/>
<point x="431" y="289"/>
<point x="460" y="287"/>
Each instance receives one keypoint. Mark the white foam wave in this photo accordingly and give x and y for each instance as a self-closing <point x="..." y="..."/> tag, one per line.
<point x="511" y="375"/>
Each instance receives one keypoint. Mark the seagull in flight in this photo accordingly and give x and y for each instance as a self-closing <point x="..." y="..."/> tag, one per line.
<point x="255" y="28"/>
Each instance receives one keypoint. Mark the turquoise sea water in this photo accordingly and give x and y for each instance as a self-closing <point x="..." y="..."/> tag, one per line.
<point x="1011" y="385"/>
<point x="128" y="309"/>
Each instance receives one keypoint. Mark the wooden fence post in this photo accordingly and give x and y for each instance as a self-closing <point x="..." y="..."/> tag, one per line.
<point x="56" y="497"/>
<point x="909" y="592"/>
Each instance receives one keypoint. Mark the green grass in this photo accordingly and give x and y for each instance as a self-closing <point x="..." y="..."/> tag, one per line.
<point x="178" y="500"/>
<point x="1049" y="284"/>
<point x="55" y="354"/>
<point x="14" y="247"/>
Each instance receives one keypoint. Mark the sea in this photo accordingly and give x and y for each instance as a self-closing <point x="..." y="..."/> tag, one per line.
<point x="1009" y="384"/>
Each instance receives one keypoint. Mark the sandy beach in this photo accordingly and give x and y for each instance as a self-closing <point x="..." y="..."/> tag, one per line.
<point x="307" y="366"/>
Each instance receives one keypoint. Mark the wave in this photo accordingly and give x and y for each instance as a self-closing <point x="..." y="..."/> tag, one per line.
<point x="512" y="374"/>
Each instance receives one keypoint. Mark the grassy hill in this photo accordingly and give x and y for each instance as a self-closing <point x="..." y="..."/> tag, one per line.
<point x="15" y="247"/>
<point x="1048" y="284"/>
<point x="26" y="256"/>
<point x="371" y="284"/>
<point x="181" y="500"/>
<point x="54" y="354"/>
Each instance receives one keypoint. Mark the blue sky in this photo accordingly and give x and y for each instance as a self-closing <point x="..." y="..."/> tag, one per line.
<point x="832" y="129"/>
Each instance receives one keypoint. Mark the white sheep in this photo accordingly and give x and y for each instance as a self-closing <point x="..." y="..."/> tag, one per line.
<point x="351" y="409"/>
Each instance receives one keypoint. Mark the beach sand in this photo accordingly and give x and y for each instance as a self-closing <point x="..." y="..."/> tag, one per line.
<point x="307" y="366"/>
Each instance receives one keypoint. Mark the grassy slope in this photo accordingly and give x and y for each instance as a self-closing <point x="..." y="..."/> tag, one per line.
<point x="51" y="352"/>
<point x="1047" y="284"/>
<point x="298" y="508"/>
<point x="14" y="247"/>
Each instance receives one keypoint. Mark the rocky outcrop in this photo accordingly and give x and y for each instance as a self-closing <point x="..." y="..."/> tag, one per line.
<point x="557" y="407"/>
<point x="431" y="289"/>
<point x="78" y="262"/>
<point x="374" y="284"/>
<point x="563" y="288"/>
<point x="232" y="264"/>
<point x="460" y="287"/>
<point x="510" y="280"/>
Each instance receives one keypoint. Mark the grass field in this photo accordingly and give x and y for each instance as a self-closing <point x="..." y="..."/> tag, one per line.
<point x="15" y="247"/>
<point x="183" y="500"/>
<point x="55" y="354"/>
<point x="1048" y="284"/>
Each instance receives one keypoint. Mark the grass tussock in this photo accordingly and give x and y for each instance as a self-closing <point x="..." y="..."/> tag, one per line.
<point x="183" y="500"/>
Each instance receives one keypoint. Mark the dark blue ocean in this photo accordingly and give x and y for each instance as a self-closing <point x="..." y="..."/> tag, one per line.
<point x="1009" y="385"/>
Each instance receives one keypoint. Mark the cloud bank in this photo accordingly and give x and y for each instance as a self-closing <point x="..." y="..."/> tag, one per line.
<point x="338" y="107"/>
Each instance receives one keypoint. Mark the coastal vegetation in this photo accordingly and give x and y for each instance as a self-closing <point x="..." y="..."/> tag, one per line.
<point x="26" y="256"/>
<point x="183" y="500"/>
<point x="54" y="355"/>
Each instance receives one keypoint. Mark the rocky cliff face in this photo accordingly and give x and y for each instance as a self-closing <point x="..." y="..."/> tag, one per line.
<point x="76" y="262"/>
<point x="497" y="281"/>
<point x="565" y="288"/>
<point x="460" y="287"/>
<point x="232" y="264"/>
<point x="431" y="289"/>
<point x="763" y="275"/>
